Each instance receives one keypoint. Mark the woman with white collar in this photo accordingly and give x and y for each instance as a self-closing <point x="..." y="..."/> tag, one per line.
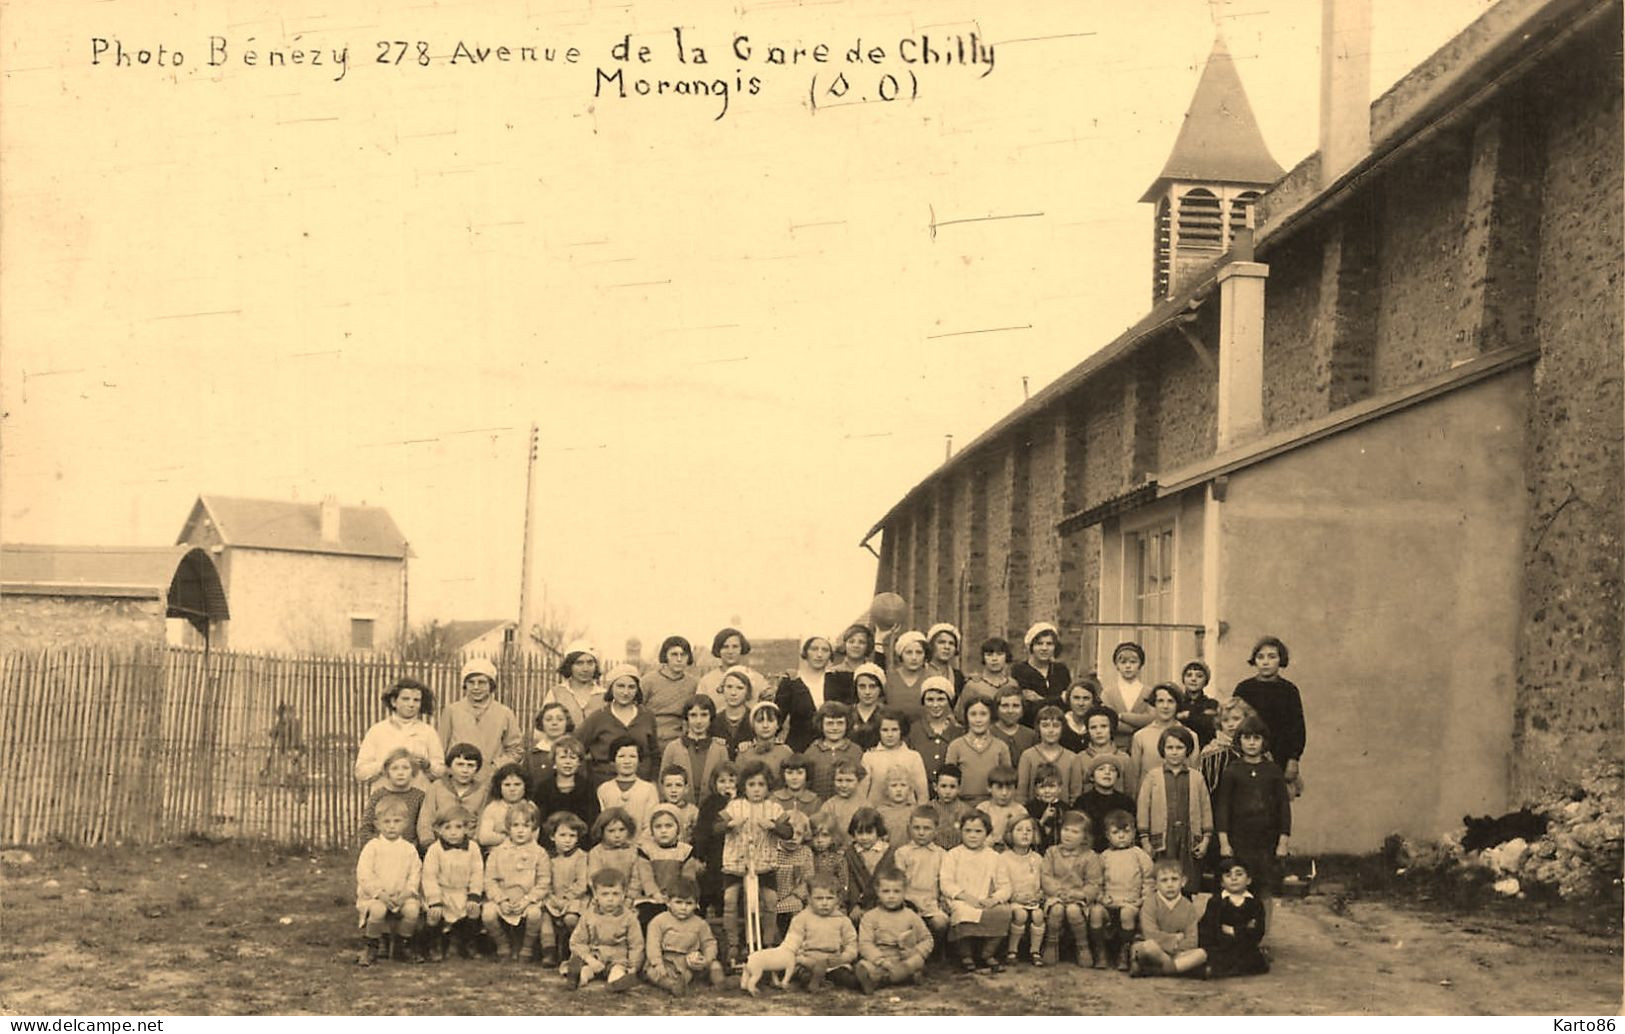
<point x="801" y="695"/>
<point x="410" y="705"/>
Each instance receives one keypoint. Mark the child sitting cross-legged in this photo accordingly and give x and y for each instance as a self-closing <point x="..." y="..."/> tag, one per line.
<point x="679" y="945"/>
<point x="518" y="878"/>
<point x="821" y="944"/>
<point x="453" y="883"/>
<point x="607" y="941"/>
<point x="893" y="941"/>
<point x="1169" y="923"/>
<point x="386" y="880"/>
<point x="1233" y="924"/>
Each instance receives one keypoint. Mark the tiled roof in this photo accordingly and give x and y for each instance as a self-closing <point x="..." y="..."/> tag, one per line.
<point x="275" y="524"/>
<point x="1219" y="141"/>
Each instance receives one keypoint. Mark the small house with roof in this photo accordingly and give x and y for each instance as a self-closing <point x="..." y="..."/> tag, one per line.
<point x="491" y="637"/>
<point x="64" y="596"/>
<point x="304" y="577"/>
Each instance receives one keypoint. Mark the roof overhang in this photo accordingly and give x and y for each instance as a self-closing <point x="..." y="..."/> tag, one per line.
<point x="183" y="578"/>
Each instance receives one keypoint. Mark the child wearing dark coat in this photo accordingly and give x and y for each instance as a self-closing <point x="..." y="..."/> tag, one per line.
<point x="1046" y="806"/>
<point x="1252" y="811"/>
<point x="1233" y="925"/>
<point x="1103" y="794"/>
<point x="724" y="784"/>
<point x="867" y="852"/>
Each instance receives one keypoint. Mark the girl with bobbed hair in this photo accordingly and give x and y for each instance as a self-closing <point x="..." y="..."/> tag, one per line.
<point x="668" y="687"/>
<point x="730" y="647"/>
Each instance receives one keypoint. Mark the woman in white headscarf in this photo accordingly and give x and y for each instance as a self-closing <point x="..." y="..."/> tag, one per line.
<point x="906" y="673"/>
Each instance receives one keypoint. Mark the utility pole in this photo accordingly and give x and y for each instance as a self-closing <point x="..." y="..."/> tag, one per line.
<point x="526" y="553"/>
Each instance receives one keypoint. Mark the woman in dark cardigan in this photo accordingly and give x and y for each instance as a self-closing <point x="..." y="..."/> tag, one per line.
<point x="1042" y="678"/>
<point x="799" y="696"/>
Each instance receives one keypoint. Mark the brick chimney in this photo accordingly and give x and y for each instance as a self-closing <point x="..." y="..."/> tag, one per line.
<point x="1241" y="345"/>
<point x="1345" y="86"/>
<point x="330" y="519"/>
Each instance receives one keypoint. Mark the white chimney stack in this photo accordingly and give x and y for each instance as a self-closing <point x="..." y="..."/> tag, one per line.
<point x="330" y="519"/>
<point x="1345" y="86"/>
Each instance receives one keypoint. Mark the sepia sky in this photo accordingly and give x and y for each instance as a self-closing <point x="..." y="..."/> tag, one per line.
<point x="738" y="335"/>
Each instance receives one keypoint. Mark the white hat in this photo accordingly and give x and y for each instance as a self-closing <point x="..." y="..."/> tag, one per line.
<point x="621" y="671"/>
<point x="872" y="670"/>
<point x="943" y="626"/>
<point x="583" y="646"/>
<point x="937" y="682"/>
<point x="1038" y="629"/>
<point x="903" y="640"/>
<point x="478" y="666"/>
<point x="744" y="673"/>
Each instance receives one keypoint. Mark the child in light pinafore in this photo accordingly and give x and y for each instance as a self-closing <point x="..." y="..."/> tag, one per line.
<point x="1072" y="879"/>
<point x="453" y="882"/>
<point x="1021" y="863"/>
<point x="386" y="881"/>
<point x="518" y="876"/>
<point x="571" y="890"/>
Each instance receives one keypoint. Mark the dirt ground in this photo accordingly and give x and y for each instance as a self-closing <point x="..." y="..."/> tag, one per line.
<point x="227" y="929"/>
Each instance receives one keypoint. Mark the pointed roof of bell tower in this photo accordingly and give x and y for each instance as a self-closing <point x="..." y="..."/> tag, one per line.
<point x="1219" y="141"/>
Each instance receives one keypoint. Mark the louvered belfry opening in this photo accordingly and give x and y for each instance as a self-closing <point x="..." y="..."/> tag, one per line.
<point x="1201" y="221"/>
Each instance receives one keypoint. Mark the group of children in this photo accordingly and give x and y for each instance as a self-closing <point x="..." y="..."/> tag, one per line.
<point x="996" y="844"/>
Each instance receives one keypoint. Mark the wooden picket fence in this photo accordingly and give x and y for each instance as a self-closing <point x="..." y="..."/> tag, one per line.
<point x="150" y="745"/>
